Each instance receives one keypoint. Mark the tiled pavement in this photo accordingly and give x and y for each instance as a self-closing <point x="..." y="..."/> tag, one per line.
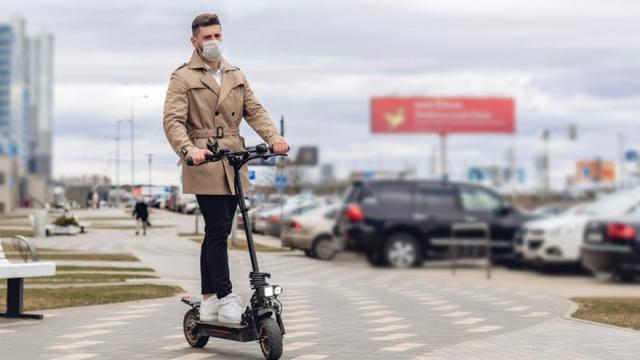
<point x="333" y="310"/>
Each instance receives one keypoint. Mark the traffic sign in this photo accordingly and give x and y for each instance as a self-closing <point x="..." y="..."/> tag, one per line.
<point x="631" y="155"/>
<point x="281" y="181"/>
<point x="475" y="174"/>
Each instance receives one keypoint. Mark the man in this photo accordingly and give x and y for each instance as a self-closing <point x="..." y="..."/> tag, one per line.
<point x="141" y="214"/>
<point x="206" y="101"/>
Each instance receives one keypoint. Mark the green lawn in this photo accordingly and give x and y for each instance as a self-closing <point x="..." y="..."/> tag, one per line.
<point x="242" y="245"/>
<point x="54" y="298"/>
<point x="57" y="254"/>
<point x="102" y="268"/>
<point x="75" y="278"/>
<point x="90" y="257"/>
<point x="618" y="311"/>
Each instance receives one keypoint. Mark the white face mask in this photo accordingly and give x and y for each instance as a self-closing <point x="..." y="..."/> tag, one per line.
<point x="212" y="50"/>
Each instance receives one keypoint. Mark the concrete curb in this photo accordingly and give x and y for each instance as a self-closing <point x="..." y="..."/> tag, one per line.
<point x="575" y="306"/>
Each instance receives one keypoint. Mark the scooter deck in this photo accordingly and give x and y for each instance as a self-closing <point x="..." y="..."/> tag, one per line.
<point x="221" y="324"/>
<point x="221" y="330"/>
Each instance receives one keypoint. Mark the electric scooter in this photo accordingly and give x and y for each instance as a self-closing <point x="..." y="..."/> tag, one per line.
<point x="262" y="319"/>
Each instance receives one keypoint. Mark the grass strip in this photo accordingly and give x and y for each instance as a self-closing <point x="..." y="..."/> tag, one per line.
<point x="104" y="218"/>
<point x="102" y="268"/>
<point x="190" y="234"/>
<point x="83" y="257"/>
<point x="15" y="232"/>
<point x="85" y="278"/>
<point x="242" y="245"/>
<point x="41" y="299"/>
<point x="127" y="227"/>
<point x="617" y="311"/>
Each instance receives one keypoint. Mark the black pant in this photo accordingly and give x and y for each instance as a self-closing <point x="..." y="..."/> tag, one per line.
<point x="218" y="211"/>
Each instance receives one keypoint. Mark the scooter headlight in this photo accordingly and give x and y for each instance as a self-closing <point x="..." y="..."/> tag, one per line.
<point x="267" y="291"/>
<point x="270" y="291"/>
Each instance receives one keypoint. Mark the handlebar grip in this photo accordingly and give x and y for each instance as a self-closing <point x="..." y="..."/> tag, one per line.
<point x="271" y="148"/>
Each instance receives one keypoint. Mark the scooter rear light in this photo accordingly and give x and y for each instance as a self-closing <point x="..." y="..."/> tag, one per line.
<point x="353" y="213"/>
<point x="621" y="232"/>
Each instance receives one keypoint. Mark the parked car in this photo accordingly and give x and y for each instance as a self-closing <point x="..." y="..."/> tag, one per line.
<point x="611" y="246"/>
<point x="312" y="232"/>
<point x="274" y="222"/>
<point x="393" y="221"/>
<point x="557" y="240"/>
<point x="257" y="214"/>
<point x="191" y="206"/>
<point x="552" y="209"/>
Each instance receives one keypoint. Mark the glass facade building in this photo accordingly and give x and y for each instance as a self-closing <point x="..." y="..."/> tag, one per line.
<point x="26" y="111"/>
<point x="26" y="97"/>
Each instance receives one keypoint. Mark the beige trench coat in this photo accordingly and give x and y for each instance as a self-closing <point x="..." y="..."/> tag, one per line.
<point x="197" y="111"/>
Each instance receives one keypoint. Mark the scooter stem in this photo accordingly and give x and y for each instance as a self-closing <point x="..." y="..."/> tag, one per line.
<point x="246" y="220"/>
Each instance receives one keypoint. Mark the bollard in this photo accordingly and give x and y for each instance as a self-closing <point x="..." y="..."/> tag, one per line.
<point x="40" y="220"/>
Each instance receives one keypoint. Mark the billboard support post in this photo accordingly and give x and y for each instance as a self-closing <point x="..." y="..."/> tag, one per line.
<point x="443" y="157"/>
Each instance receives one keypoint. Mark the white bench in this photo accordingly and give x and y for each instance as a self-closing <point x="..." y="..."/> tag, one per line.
<point x="15" y="274"/>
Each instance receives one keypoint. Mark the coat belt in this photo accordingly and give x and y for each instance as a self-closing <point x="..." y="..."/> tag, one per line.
<point x="218" y="132"/>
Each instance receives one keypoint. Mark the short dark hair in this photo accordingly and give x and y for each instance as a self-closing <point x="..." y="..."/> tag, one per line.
<point x="203" y="20"/>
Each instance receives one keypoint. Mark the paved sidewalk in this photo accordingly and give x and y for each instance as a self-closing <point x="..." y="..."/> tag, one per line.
<point x="555" y="339"/>
<point x="342" y="309"/>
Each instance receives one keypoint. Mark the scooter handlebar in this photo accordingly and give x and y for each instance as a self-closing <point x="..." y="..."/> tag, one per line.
<point x="260" y="149"/>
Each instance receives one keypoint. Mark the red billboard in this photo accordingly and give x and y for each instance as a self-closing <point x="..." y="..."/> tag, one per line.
<point x="442" y="115"/>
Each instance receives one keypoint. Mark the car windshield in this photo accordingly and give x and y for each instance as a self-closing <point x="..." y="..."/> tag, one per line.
<point x="352" y="193"/>
<point x="617" y="203"/>
<point x="635" y="212"/>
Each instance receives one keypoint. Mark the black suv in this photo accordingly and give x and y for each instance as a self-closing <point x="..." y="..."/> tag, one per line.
<point x="392" y="221"/>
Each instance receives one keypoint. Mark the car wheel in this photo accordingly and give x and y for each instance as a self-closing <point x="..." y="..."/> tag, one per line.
<point x="625" y="277"/>
<point x="402" y="251"/>
<point x="375" y="259"/>
<point x="323" y="248"/>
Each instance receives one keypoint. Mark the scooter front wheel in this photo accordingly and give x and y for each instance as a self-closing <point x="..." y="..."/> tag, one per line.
<point x="190" y="328"/>
<point x="270" y="339"/>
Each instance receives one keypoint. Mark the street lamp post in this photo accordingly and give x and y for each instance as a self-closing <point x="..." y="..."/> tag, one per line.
<point x="133" y="157"/>
<point x="119" y="186"/>
<point x="149" y="184"/>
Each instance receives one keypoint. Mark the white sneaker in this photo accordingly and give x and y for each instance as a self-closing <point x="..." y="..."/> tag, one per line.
<point x="231" y="309"/>
<point x="209" y="309"/>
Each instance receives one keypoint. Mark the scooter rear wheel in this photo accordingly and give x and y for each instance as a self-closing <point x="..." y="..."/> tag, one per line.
<point x="190" y="328"/>
<point x="270" y="339"/>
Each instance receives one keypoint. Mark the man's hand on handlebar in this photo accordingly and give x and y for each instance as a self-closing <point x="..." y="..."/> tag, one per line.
<point x="198" y="156"/>
<point x="280" y="147"/>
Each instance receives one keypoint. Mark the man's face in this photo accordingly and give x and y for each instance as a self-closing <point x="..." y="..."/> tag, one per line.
<point x="204" y="34"/>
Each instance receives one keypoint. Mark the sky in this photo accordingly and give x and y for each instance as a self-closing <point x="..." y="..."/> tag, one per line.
<point x="317" y="63"/>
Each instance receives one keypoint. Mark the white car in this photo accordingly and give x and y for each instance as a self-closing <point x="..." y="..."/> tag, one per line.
<point x="264" y="220"/>
<point x="557" y="240"/>
<point x="312" y="232"/>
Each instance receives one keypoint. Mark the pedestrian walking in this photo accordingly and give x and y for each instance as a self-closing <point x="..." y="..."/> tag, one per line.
<point x="141" y="214"/>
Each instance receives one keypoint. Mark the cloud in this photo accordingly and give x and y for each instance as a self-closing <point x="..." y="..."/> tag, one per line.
<point x="318" y="62"/>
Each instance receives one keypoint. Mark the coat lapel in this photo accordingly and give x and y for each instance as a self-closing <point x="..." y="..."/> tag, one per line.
<point x="195" y="63"/>
<point x="210" y="82"/>
<point x="230" y="79"/>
